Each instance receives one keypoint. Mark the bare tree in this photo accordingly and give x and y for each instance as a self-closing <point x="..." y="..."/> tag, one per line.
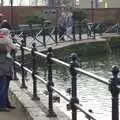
<point x="61" y="2"/>
<point x="20" y="3"/>
<point x="2" y="2"/>
<point x="36" y="2"/>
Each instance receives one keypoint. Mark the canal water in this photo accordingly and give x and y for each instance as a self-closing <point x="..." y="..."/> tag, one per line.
<point x="91" y="94"/>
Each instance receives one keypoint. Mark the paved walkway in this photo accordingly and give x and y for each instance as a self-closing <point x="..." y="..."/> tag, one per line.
<point x="16" y="114"/>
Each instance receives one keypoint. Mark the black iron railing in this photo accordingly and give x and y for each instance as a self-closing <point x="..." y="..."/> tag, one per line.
<point x="42" y="33"/>
<point x="113" y="83"/>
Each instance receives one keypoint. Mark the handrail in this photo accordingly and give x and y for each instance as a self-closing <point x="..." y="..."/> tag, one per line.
<point x="25" y="30"/>
<point x="57" y="91"/>
<point x="92" y="75"/>
<point x="113" y="83"/>
<point x="45" y="82"/>
<point x="100" y="79"/>
<point x="85" y="111"/>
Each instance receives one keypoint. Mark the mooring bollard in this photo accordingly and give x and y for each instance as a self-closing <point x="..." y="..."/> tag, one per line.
<point x="50" y="83"/>
<point x="73" y="72"/>
<point x="34" y="71"/>
<point x="22" y="64"/>
<point x="114" y="82"/>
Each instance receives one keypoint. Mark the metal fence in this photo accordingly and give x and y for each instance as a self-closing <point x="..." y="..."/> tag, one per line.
<point x="73" y="103"/>
<point x="46" y="35"/>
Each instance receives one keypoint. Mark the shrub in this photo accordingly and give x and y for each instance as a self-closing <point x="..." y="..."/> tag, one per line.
<point x="34" y="19"/>
<point x="80" y="15"/>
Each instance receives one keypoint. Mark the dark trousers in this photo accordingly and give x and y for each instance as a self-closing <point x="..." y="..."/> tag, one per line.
<point x="62" y="31"/>
<point x="4" y="86"/>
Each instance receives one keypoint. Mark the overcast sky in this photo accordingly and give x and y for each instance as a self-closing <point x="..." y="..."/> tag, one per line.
<point x="23" y="2"/>
<point x="16" y="2"/>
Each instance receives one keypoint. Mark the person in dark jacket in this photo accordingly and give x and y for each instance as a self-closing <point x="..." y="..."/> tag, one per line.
<point x="6" y="72"/>
<point x="5" y="24"/>
<point x="62" y="25"/>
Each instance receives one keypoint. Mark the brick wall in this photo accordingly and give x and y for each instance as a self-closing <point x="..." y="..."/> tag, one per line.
<point x="109" y="14"/>
<point x="19" y="13"/>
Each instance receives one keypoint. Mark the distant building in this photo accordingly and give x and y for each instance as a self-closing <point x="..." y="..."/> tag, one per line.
<point x="98" y="3"/>
<point x="88" y="3"/>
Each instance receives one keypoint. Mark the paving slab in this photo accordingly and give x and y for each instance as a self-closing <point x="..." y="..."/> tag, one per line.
<point x="15" y="114"/>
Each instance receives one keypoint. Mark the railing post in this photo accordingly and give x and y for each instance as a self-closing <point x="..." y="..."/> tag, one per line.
<point x="32" y="32"/>
<point x="24" y="38"/>
<point x="22" y="64"/>
<point x="56" y="34"/>
<point x="74" y="99"/>
<point x="80" y="30"/>
<point x="73" y="32"/>
<point x="34" y="71"/>
<point x="115" y="93"/>
<point x="44" y="42"/>
<point x="14" y="58"/>
<point x="50" y="83"/>
<point x="94" y="32"/>
<point x="73" y="27"/>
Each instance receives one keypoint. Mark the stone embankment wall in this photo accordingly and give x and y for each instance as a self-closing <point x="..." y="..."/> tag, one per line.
<point x="88" y="49"/>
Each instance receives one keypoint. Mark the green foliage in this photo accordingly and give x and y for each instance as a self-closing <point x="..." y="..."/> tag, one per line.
<point x="80" y="15"/>
<point x="34" y="19"/>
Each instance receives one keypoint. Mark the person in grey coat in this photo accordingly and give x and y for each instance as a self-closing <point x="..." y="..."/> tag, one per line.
<point x="6" y="70"/>
<point x="62" y="25"/>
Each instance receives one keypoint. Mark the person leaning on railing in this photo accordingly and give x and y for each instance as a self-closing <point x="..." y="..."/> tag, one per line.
<point x="6" y="69"/>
